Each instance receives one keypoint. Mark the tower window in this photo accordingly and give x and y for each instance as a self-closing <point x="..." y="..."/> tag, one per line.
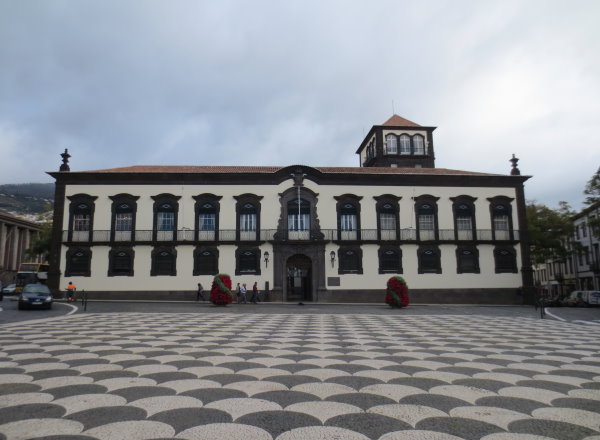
<point x="419" y="144"/>
<point x="391" y="144"/>
<point x="405" y="144"/>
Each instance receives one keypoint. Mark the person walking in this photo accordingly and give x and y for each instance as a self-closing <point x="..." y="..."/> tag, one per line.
<point x="239" y="293"/>
<point x="71" y="289"/>
<point x="243" y="292"/>
<point x="254" y="298"/>
<point x="200" y="293"/>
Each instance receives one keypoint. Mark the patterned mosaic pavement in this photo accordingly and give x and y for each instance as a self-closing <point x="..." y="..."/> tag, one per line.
<point x="287" y="377"/>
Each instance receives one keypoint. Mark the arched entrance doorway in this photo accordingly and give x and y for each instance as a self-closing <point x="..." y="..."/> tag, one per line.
<point x="299" y="278"/>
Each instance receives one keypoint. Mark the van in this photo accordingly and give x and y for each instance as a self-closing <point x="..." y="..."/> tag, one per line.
<point x="582" y="298"/>
<point x="593" y="298"/>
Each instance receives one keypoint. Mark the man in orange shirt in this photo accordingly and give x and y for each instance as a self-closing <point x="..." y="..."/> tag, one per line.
<point x="71" y="289"/>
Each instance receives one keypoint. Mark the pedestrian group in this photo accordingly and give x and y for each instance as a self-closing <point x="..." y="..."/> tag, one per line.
<point x="241" y="292"/>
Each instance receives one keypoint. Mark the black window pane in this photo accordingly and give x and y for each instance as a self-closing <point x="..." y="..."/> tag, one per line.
<point x="248" y="261"/>
<point x="468" y="262"/>
<point x="505" y="261"/>
<point x="293" y="207"/>
<point x="425" y="209"/>
<point x="206" y="263"/>
<point x="348" y="208"/>
<point x="164" y="263"/>
<point x="350" y="261"/>
<point x="122" y="263"/>
<point x="248" y="208"/>
<point x="429" y="261"/>
<point x="389" y="261"/>
<point x="82" y="208"/>
<point x="79" y="263"/>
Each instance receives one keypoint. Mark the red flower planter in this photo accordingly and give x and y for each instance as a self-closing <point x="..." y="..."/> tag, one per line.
<point x="220" y="292"/>
<point x="396" y="294"/>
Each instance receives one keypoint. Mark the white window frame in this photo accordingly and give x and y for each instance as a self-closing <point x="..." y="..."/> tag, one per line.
<point x="391" y="144"/>
<point x="348" y="222"/>
<point x="501" y="222"/>
<point x="387" y="221"/>
<point x="81" y="222"/>
<point x="124" y="221"/>
<point x="405" y="144"/>
<point x="165" y="221"/>
<point x="426" y="222"/>
<point x="248" y="222"/>
<point x="206" y="221"/>
<point x="464" y="223"/>
<point x="419" y="144"/>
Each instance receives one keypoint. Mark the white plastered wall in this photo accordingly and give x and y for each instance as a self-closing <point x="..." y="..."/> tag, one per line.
<point x="270" y="211"/>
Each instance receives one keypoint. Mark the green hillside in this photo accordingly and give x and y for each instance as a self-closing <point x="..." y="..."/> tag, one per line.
<point x="26" y="198"/>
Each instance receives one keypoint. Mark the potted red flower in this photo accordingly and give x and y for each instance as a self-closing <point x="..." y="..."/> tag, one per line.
<point x="396" y="294"/>
<point x="220" y="292"/>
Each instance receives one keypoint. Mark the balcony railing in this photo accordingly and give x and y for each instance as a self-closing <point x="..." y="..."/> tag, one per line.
<point x="231" y="235"/>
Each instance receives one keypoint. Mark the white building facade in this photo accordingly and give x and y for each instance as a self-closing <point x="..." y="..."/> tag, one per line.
<point x="587" y="256"/>
<point x="323" y="234"/>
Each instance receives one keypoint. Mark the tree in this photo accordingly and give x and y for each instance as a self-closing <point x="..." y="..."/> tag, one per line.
<point x="41" y="244"/>
<point x="548" y="231"/>
<point x="592" y="189"/>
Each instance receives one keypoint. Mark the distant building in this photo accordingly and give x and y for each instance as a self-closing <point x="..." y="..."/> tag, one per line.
<point x="16" y="235"/>
<point x="581" y="270"/>
<point x="587" y="259"/>
<point x="304" y="233"/>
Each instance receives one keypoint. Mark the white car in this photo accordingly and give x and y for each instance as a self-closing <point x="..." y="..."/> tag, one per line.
<point x="583" y="298"/>
<point x="10" y="289"/>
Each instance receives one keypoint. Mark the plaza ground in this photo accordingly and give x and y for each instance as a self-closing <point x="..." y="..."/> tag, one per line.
<point x="275" y="371"/>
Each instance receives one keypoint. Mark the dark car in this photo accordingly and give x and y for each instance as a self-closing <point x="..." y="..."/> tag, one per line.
<point x="35" y="296"/>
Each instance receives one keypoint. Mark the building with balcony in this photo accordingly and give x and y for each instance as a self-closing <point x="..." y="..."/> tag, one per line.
<point x="586" y="258"/>
<point x="305" y="233"/>
<point x="581" y="269"/>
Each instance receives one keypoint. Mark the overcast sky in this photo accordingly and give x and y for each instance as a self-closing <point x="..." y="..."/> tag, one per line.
<point x="257" y="82"/>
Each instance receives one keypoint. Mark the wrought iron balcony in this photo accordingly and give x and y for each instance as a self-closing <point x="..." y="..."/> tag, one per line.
<point x="189" y="236"/>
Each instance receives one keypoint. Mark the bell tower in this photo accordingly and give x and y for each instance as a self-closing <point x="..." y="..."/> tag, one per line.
<point x="398" y="143"/>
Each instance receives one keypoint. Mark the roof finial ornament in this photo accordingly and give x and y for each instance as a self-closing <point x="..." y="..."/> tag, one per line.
<point x="65" y="158"/>
<point x="298" y="176"/>
<point x="515" y="171"/>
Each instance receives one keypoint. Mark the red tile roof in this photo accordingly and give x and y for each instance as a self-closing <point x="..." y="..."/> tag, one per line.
<point x="273" y="169"/>
<point x="188" y="169"/>
<point x="399" y="121"/>
<point x="390" y="170"/>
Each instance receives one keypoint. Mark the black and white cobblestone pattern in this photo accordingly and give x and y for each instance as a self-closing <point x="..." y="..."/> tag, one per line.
<point x="289" y="377"/>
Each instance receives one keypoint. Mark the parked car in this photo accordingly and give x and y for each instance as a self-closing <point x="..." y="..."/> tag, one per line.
<point x="10" y="289"/>
<point x="582" y="298"/>
<point x="35" y="296"/>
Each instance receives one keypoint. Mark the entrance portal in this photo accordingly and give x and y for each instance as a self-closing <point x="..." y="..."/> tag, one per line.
<point x="299" y="282"/>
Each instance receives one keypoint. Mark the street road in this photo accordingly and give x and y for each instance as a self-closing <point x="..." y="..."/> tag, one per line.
<point x="577" y="315"/>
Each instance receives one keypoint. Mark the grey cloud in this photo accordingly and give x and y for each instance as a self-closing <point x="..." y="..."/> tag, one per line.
<point x="275" y="83"/>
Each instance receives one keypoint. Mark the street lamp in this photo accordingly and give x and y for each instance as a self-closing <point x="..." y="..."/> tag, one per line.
<point x="266" y="256"/>
<point x="332" y="257"/>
